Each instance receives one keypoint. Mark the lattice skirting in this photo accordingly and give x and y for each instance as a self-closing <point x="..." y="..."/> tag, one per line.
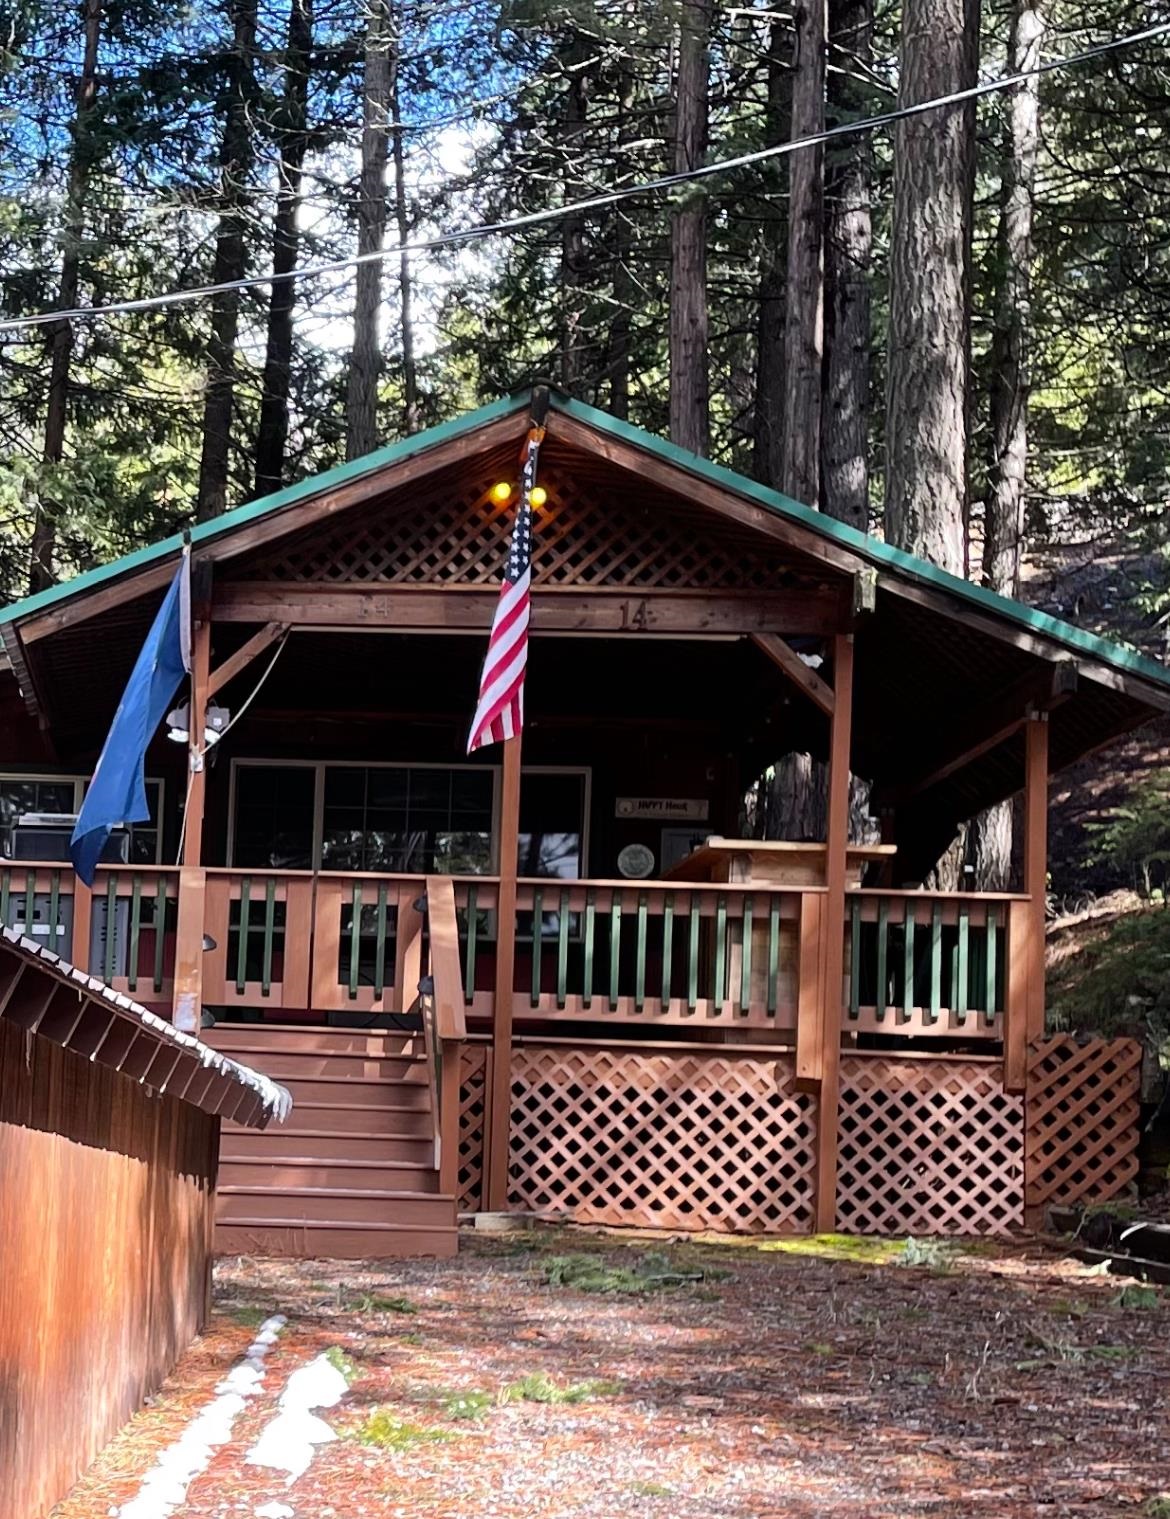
<point x="1083" y="1108"/>
<point x="473" y="1067"/>
<point x="656" y="1139"/>
<point x="928" y="1147"/>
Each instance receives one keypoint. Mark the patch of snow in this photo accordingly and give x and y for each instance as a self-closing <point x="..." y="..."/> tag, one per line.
<point x="164" y="1488"/>
<point x="287" y="1442"/>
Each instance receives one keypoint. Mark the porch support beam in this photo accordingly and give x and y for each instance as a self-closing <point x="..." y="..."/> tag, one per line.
<point x="833" y="931"/>
<point x="461" y="609"/>
<point x="1036" y="861"/>
<point x="785" y="658"/>
<point x="244" y="656"/>
<point x="499" y="1116"/>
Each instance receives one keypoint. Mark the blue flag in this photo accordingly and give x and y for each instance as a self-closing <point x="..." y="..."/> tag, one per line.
<point x="117" y="793"/>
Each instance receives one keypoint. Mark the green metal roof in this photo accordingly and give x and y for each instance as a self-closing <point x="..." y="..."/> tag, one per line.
<point x="882" y="555"/>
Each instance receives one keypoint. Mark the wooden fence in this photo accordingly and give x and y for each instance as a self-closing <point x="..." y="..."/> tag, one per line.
<point x="106" y="1214"/>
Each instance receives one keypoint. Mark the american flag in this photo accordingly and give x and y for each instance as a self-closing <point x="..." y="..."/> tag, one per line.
<point x="500" y="713"/>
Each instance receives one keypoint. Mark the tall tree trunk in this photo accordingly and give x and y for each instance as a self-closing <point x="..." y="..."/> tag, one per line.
<point x="848" y="248"/>
<point x="767" y="436"/>
<point x="235" y="164"/>
<point x="410" y="412"/>
<point x="365" y="366"/>
<point x="926" y="396"/>
<point x="804" y="329"/>
<point x="990" y="841"/>
<point x="60" y="335"/>
<point x="689" y="383"/>
<point x="928" y="349"/>
<point x="1007" y="466"/>
<point x="292" y="142"/>
<point x="573" y="256"/>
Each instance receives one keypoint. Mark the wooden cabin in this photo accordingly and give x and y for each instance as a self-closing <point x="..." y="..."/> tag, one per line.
<point x="109" y="1137"/>
<point x="628" y="1013"/>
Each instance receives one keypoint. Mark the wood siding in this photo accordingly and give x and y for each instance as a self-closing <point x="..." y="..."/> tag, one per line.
<point x="106" y="1212"/>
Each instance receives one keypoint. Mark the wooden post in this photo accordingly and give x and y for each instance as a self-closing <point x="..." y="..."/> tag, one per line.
<point x="188" y="1000"/>
<point x="1036" y="861"/>
<point x="82" y="921"/>
<point x="187" y="1004"/>
<point x="197" y="777"/>
<point x="500" y="1104"/>
<point x="833" y="930"/>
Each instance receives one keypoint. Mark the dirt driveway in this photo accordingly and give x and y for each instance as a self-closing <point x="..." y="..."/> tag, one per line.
<point x="570" y="1376"/>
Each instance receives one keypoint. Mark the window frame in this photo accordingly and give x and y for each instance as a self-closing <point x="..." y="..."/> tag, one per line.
<point x="321" y="765"/>
<point x="80" y="784"/>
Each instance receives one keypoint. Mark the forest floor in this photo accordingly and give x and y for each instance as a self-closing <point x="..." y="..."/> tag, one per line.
<point x="570" y="1375"/>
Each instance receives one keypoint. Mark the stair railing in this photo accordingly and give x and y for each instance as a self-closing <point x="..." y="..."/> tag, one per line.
<point x="444" y="1022"/>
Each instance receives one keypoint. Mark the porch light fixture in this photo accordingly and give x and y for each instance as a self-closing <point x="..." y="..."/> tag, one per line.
<point x="502" y="493"/>
<point x="215" y="723"/>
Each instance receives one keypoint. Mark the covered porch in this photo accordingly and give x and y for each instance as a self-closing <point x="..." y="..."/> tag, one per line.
<point x="598" y="1011"/>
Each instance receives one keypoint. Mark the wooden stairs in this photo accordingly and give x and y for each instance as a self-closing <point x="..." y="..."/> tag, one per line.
<point x="352" y="1173"/>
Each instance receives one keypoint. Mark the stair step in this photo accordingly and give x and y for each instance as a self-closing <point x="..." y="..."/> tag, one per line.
<point x="311" y="1039"/>
<point x="302" y="1171"/>
<point x="336" y="1241"/>
<point x="357" y="1092"/>
<point x="346" y="1204"/>
<point x="341" y="1118"/>
<point x="284" y="1064"/>
<point x="326" y="1144"/>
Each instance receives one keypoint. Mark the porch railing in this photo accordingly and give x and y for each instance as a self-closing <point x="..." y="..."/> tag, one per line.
<point x="928" y="965"/>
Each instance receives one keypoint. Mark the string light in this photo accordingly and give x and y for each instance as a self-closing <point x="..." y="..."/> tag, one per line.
<point x="502" y="493"/>
<point x="538" y="495"/>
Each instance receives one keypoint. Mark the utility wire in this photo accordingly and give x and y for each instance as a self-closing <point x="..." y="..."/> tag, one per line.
<point x="595" y="202"/>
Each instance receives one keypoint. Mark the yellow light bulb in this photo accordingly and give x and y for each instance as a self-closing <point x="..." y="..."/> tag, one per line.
<point x="539" y="495"/>
<point x="502" y="492"/>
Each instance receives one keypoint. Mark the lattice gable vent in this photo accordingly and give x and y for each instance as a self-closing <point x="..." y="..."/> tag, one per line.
<point x="587" y="534"/>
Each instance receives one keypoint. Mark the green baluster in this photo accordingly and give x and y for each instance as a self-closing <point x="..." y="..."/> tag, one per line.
<point x="908" y="963"/>
<point x="109" y="960"/>
<point x="355" y="942"/>
<point x="590" y="925"/>
<point x="472" y="937"/>
<point x="563" y="950"/>
<point x="54" y="908"/>
<point x="935" y="963"/>
<point x="745" y="974"/>
<point x="719" y="984"/>
<point x="693" y="956"/>
<point x="990" y="967"/>
<point x="615" y="945"/>
<point x="160" y="931"/>
<point x="854" y="957"/>
<point x="537" y="942"/>
<point x="961" y="970"/>
<point x="773" y="954"/>
<point x="380" y="942"/>
<point x="883" y="930"/>
<point x="269" y="935"/>
<point x="5" y="897"/>
<point x="135" y="921"/>
<point x="640" y="954"/>
<point x="245" y="929"/>
<point x="667" y="947"/>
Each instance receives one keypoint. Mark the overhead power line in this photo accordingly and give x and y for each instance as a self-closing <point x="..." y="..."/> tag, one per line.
<point x="595" y="202"/>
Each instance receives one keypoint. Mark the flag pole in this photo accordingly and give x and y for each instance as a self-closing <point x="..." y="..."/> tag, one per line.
<point x="495" y="1184"/>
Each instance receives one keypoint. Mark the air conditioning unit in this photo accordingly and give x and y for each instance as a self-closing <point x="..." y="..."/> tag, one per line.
<point x="46" y="835"/>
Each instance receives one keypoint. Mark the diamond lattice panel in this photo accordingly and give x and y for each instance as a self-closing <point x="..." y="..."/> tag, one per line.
<point x="582" y="538"/>
<point x="472" y="1104"/>
<point x="691" y="1141"/>
<point x="928" y="1147"/>
<point x="1083" y="1109"/>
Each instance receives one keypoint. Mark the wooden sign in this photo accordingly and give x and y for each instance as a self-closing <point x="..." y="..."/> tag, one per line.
<point x="665" y="809"/>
